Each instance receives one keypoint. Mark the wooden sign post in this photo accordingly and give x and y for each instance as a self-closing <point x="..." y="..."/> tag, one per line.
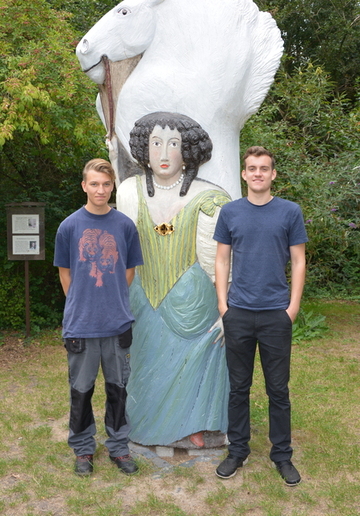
<point x="26" y="240"/>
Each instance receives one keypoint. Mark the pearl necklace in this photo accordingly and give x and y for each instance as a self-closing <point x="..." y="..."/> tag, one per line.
<point x="162" y="187"/>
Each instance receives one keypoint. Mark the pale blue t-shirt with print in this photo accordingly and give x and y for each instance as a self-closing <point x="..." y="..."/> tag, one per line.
<point x="260" y="237"/>
<point x="97" y="249"/>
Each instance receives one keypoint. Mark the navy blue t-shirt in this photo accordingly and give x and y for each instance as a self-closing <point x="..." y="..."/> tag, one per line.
<point x="97" y="249"/>
<point x="260" y="237"/>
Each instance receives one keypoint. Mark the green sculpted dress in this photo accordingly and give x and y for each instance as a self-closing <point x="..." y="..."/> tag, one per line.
<point x="179" y="380"/>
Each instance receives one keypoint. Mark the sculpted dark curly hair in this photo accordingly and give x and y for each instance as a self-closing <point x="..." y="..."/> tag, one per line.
<point x="196" y="145"/>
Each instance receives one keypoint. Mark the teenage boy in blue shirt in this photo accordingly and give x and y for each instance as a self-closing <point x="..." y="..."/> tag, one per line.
<point x="262" y="233"/>
<point x="97" y="249"/>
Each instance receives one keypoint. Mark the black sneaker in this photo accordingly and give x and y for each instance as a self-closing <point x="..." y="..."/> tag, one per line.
<point x="126" y="464"/>
<point x="288" y="472"/>
<point x="229" y="466"/>
<point x="84" y="465"/>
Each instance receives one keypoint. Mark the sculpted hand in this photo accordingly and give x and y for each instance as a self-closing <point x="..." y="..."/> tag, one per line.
<point x="219" y="324"/>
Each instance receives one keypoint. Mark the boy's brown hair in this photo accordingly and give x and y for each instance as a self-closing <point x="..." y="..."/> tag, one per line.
<point x="257" y="151"/>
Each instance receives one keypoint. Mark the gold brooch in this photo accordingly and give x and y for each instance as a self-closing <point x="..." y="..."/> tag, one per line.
<point x="164" y="229"/>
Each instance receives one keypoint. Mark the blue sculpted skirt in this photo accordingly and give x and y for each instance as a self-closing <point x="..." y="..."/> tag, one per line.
<point x="179" y="380"/>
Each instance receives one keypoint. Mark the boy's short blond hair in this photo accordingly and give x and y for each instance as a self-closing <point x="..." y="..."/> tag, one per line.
<point x="99" y="165"/>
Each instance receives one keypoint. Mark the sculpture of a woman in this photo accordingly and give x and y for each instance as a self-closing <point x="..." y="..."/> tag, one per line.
<point x="178" y="389"/>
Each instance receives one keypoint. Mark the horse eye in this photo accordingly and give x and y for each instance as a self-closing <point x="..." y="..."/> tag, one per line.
<point x="124" y="11"/>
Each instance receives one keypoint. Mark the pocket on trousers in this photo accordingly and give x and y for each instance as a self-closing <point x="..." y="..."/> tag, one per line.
<point x="125" y="339"/>
<point x="226" y="314"/>
<point x="75" y="345"/>
<point x="288" y="317"/>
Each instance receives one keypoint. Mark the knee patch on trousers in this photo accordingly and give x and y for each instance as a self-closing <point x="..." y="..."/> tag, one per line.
<point x="81" y="414"/>
<point x="115" y="406"/>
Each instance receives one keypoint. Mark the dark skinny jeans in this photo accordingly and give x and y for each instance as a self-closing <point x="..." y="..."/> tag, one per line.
<point x="272" y="331"/>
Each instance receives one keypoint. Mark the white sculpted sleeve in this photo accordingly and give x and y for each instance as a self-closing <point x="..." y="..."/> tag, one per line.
<point x="205" y="244"/>
<point x="127" y="198"/>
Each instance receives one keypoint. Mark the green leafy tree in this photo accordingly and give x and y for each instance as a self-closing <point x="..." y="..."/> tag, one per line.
<point x="315" y="137"/>
<point x="48" y="103"/>
<point x="48" y="129"/>
<point x="85" y="13"/>
<point x="321" y="31"/>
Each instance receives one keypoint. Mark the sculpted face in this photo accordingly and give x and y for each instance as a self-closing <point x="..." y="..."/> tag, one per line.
<point x="165" y="155"/>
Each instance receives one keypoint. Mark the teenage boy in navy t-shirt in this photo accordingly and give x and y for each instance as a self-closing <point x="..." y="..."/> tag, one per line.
<point x="262" y="233"/>
<point x="97" y="249"/>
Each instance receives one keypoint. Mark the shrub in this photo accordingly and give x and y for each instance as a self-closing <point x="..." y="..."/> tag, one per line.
<point x="316" y="141"/>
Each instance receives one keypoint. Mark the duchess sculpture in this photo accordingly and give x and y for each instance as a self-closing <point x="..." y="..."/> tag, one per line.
<point x="178" y="388"/>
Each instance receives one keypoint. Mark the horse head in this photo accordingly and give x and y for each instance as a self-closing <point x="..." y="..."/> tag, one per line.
<point x="124" y="32"/>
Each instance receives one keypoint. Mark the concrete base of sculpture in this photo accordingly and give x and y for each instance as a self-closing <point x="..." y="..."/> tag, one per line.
<point x="211" y="440"/>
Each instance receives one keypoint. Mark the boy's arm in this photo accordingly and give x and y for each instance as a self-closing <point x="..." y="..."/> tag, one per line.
<point x="298" y="270"/>
<point x="130" y="274"/>
<point x="222" y="274"/>
<point x="65" y="279"/>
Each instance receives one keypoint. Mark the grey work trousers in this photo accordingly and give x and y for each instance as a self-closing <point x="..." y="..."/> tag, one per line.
<point x="84" y="359"/>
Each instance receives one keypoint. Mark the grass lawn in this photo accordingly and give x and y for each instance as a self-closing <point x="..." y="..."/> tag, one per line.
<point x="36" y="464"/>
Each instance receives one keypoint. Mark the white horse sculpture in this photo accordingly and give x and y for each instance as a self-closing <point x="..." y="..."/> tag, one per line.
<point x="211" y="60"/>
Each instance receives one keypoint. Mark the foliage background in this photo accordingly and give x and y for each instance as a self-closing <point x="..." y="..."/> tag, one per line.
<point x="310" y="120"/>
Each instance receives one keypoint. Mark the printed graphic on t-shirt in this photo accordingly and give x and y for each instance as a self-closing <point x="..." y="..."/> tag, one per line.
<point x="98" y="248"/>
